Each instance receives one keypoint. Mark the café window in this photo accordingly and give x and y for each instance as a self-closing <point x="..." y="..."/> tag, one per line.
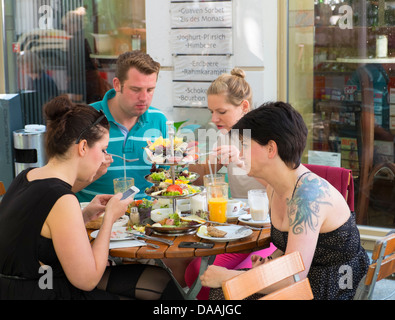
<point x="342" y="77"/>
<point x="69" y="47"/>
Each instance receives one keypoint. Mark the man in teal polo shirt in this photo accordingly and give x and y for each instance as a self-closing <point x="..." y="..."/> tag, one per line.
<point x="133" y="121"/>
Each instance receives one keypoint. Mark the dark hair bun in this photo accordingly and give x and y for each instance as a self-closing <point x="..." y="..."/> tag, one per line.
<point x="57" y="108"/>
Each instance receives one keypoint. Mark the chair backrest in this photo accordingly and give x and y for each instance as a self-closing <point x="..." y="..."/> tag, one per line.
<point x="383" y="256"/>
<point x="300" y="290"/>
<point x="383" y="265"/>
<point x="2" y="188"/>
<point x="338" y="177"/>
<point x="267" y="274"/>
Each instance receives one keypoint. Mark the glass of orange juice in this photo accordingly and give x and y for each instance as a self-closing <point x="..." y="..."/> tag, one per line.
<point x="217" y="197"/>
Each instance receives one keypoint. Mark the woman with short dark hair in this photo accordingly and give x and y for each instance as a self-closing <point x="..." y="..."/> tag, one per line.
<point x="307" y="213"/>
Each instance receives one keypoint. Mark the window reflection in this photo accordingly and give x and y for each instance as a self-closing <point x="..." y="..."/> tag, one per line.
<point x="77" y="43"/>
<point x="354" y="114"/>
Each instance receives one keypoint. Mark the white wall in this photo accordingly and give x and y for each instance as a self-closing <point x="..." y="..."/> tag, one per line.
<point x="255" y="50"/>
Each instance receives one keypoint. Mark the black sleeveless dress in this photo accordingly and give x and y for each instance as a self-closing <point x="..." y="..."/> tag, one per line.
<point x="339" y="261"/>
<point x="23" y="212"/>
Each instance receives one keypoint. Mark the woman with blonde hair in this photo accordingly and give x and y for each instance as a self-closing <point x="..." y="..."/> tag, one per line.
<point x="229" y="99"/>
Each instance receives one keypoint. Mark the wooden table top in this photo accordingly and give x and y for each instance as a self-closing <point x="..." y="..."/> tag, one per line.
<point x="256" y="241"/>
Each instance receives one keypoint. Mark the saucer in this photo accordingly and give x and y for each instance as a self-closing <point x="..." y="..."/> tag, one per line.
<point x="233" y="215"/>
<point x="246" y="219"/>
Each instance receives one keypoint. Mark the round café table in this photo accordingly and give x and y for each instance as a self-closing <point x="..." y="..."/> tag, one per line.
<point x="259" y="239"/>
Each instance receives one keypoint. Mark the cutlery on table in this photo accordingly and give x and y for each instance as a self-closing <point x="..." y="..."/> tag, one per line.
<point x="127" y="160"/>
<point x="235" y="225"/>
<point x="143" y="236"/>
<point x="132" y="237"/>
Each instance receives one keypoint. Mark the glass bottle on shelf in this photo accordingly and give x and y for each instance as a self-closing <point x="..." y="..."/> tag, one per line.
<point x="136" y="42"/>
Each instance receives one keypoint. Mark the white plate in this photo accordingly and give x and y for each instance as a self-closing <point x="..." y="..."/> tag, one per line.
<point x="121" y="222"/>
<point x="230" y="236"/>
<point x="246" y="218"/>
<point x="117" y="234"/>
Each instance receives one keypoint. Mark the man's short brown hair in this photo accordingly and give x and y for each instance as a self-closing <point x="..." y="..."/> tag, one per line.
<point x="135" y="59"/>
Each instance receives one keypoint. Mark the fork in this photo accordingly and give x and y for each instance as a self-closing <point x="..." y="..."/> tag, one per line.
<point x="127" y="160"/>
<point x="133" y="237"/>
<point x="233" y="225"/>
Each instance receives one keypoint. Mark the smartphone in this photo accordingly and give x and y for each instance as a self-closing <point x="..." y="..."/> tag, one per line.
<point x="130" y="192"/>
<point x="195" y="245"/>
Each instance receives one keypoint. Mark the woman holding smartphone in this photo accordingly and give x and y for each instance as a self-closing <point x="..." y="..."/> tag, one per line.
<point x="42" y="226"/>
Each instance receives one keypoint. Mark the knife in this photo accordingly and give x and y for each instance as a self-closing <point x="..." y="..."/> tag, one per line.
<point x="234" y="225"/>
<point x="143" y="236"/>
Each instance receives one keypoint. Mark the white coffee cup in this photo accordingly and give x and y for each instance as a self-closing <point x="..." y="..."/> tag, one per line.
<point x="183" y="205"/>
<point x="259" y="204"/>
<point x="233" y="206"/>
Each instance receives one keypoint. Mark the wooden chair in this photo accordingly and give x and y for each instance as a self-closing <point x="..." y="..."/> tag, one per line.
<point x="268" y="274"/>
<point x="383" y="265"/>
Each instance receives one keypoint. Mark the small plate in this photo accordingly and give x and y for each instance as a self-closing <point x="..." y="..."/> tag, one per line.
<point x="121" y="222"/>
<point x="234" y="215"/>
<point x="117" y="234"/>
<point x="246" y="218"/>
<point x="230" y="236"/>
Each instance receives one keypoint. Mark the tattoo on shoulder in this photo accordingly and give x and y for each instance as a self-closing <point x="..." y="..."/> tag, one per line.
<point x="304" y="207"/>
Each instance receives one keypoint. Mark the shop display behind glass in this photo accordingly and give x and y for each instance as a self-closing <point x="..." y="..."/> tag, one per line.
<point x="353" y="102"/>
<point x="76" y="43"/>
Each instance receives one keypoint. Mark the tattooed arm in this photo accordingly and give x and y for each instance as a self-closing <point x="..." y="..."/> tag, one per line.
<point x="307" y="212"/>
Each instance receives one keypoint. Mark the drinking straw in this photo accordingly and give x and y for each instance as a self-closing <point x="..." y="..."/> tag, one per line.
<point x="124" y="167"/>
<point x="215" y="170"/>
<point x="211" y="171"/>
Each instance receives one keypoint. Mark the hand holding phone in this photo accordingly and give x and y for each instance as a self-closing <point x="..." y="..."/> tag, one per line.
<point x="130" y="192"/>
